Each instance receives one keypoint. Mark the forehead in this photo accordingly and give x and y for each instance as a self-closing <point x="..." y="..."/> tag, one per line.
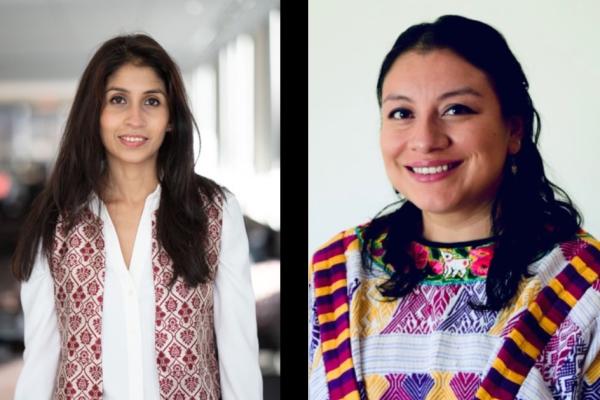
<point x="438" y="69"/>
<point x="133" y="77"/>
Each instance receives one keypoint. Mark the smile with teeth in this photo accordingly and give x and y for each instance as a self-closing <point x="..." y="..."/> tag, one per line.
<point x="132" y="139"/>
<point x="433" y="170"/>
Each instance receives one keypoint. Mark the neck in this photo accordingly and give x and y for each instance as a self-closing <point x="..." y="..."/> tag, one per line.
<point x="448" y="228"/>
<point x="129" y="184"/>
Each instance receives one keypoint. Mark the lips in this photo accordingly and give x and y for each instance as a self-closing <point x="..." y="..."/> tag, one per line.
<point x="133" y="140"/>
<point x="432" y="167"/>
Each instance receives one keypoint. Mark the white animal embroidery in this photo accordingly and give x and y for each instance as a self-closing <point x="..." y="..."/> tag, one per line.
<point x="454" y="267"/>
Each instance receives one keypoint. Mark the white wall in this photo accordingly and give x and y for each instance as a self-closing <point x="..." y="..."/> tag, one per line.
<point x="555" y="41"/>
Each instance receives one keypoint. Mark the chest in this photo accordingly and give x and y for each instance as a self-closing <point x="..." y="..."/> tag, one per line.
<point x="126" y="221"/>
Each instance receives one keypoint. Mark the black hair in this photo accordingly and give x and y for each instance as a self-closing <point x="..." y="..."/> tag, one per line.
<point x="530" y="214"/>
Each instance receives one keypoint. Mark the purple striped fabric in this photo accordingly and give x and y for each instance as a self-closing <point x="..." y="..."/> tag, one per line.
<point x="553" y="308"/>
<point x="332" y="274"/>
<point x="325" y="279"/>
<point x="330" y="330"/>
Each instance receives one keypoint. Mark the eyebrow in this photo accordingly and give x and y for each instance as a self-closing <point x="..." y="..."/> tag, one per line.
<point x="458" y="92"/>
<point x="118" y="89"/>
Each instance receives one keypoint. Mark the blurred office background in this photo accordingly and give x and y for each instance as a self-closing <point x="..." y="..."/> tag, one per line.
<point x="228" y="51"/>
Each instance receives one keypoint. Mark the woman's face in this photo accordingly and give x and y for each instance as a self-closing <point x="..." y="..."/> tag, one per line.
<point x="443" y="138"/>
<point x="134" y="117"/>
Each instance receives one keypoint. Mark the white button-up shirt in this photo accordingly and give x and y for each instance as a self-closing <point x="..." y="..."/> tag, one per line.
<point x="128" y="322"/>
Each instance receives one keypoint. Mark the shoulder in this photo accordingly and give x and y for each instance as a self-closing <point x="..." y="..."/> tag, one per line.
<point x="333" y="256"/>
<point x="346" y="240"/>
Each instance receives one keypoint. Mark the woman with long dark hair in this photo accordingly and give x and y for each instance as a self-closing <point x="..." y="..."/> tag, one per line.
<point x="135" y="270"/>
<point x="479" y="282"/>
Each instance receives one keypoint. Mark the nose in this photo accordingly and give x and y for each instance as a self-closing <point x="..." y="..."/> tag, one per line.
<point x="135" y="116"/>
<point x="429" y="135"/>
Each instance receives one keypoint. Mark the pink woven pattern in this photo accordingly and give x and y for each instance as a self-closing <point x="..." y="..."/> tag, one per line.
<point x="78" y="270"/>
<point x="185" y="339"/>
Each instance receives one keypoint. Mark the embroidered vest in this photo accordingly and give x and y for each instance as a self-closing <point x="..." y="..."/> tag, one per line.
<point x="184" y="334"/>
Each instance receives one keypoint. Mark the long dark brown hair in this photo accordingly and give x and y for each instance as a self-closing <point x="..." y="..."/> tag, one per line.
<point x="80" y="167"/>
<point x="530" y="214"/>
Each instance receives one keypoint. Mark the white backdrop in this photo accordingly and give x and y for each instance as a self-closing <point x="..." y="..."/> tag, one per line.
<point x="556" y="42"/>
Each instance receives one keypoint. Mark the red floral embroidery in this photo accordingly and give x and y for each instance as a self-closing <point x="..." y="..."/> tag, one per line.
<point x="92" y="289"/>
<point x="87" y="251"/>
<point x="185" y="312"/>
<point x="85" y="337"/>
<point x="75" y="241"/>
<point x="72" y="345"/>
<point x="78" y="296"/>
<point x="172" y="325"/>
<point x="189" y="359"/>
<point x="83" y="274"/>
<point x="82" y="383"/>
<point x="71" y="369"/>
<point x="84" y="357"/>
<point x="174" y="351"/>
<point x="171" y="305"/>
<point x="162" y="361"/>
<point x="74" y="322"/>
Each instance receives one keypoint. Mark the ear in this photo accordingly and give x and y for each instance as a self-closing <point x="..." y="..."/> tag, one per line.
<point x="169" y="128"/>
<point x="515" y="131"/>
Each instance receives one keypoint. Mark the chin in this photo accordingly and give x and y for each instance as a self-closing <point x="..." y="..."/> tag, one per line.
<point x="435" y="206"/>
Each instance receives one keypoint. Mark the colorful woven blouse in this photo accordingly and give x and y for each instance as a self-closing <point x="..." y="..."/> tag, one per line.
<point x="431" y="344"/>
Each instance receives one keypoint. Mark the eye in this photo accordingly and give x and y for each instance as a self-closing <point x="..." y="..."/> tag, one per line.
<point x="400" y="113"/>
<point x="152" y="101"/>
<point x="117" y="100"/>
<point x="458" y="109"/>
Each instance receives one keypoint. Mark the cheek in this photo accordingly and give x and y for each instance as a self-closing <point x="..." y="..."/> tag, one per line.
<point x="391" y="146"/>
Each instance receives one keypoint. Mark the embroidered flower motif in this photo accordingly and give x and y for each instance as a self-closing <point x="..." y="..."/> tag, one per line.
<point x="187" y="336"/>
<point x="161" y="339"/>
<point x="420" y="255"/>
<point x="85" y="337"/>
<point x="87" y="251"/>
<point x="69" y="389"/>
<point x="162" y="361"/>
<point x="481" y="258"/>
<point x="177" y="371"/>
<point x="72" y="345"/>
<point x="171" y="305"/>
<point x="83" y="357"/>
<point x="174" y="351"/>
<point x="92" y="288"/>
<point x="191" y="383"/>
<point x="95" y="393"/>
<point x="89" y="230"/>
<point x="82" y="383"/>
<point x="95" y="372"/>
<point x="74" y="321"/>
<point x="185" y="312"/>
<point x="97" y="349"/>
<point x="75" y="241"/>
<point x="172" y="324"/>
<point x="71" y="369"/>
<point x="78" y="296"/>
<point x="99" y="243"/>
<point x="189" y="359"/>
<point x="166" y="385"/>
<point x="89" y="309"/>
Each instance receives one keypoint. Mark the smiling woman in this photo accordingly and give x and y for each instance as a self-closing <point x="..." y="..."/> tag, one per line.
<point x="135" y="270"/>
<point x="480" y="282"/>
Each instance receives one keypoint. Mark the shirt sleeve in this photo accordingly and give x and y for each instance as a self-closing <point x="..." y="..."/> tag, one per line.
<point x="42" y="341"/>
<point x="235" y="311"/>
